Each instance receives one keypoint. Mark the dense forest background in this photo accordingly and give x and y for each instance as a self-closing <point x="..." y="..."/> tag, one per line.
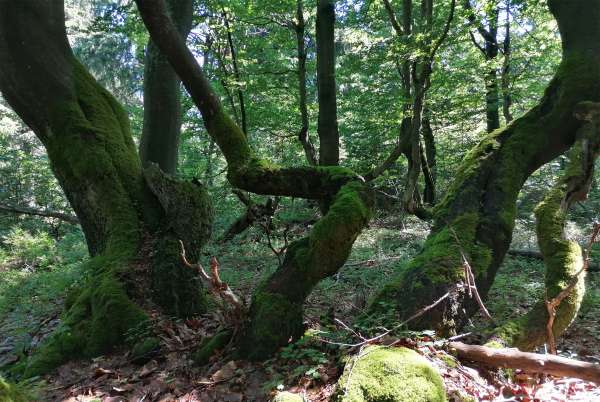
<point x="492" y="64"/>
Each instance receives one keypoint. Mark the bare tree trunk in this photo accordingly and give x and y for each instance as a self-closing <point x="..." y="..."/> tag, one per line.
<point x="162" y="98"/>
<point x="303" y="135"/>
<point x="329" y="138"/>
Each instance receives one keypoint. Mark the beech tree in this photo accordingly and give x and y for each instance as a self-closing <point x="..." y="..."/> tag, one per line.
<point x="131" y="218"/>
<point x="476" y="217"/>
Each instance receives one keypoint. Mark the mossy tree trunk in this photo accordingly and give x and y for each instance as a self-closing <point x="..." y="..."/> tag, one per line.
<point x="131" y="218"/>
<point x="162" y="98"/>
<point x="563" y="258"/>
<point x="480" y="205"/>
<point x="276" y="311"/>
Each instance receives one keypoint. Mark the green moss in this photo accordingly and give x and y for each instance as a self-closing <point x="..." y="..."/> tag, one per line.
<point x="381" y="374"/>
<point x="13" y="393"/>
<point x="562" y="258"/>
<point x="276" y="312"/>
<point x="449" y="360"/>
<point x="96" y="322"/>
<point x="145" y="350"/>
<point x="274" y="320"/>
<point x="209" y="346"/>
<point x="230" y="139"/>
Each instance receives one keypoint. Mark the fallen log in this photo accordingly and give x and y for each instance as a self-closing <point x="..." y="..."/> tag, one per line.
<point x="528" y="362"/>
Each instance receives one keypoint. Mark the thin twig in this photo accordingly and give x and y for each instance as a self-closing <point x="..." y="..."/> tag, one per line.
<point x="470" y="277"/>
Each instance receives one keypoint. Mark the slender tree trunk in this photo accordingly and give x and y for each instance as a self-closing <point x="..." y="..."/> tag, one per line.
<point x="303" y="135"/>
<point x="476" y="217"/>
<point x="428" y="158"/>
<point x="131" y="218"/>
<point x="329" y="138"/>
<point x="162" y="98"/>
<point x="490" y="51"/>
<point x="236" y="74"/>
<point x="506" y="73"/>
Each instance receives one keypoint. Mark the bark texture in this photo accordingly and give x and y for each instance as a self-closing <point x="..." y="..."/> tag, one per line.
<point x="277" y="306"/>
<point x="480" y="205"/>
<point x="162" y="98"/>
<point x="329" y="137"/>
<point x="86" y="134"/>
<point x="563" y="258"/>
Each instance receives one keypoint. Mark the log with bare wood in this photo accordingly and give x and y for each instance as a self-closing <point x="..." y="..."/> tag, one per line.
<point x="528" y="362"/>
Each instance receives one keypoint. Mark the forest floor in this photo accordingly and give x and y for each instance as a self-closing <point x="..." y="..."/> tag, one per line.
<point x="309" y="367"/>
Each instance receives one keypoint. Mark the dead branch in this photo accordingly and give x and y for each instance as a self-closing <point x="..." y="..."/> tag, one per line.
<point x="470" y="277"/>
<point x="18" y="209"/>
<point x="528" y="362"/>
<point x="231" y="303"/>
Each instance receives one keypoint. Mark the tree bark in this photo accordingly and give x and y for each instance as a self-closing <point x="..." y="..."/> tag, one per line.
<point x="480" y="205"/>
<point x="528" y="362"/>
<point x="490" y="50"/>
<point x="124" y="211"/>
<point x="428" y="158"/>
<point x="276" y="311"/>
<point x="563" y="258"/>
<point x="162" y="98"/>
<point x="329" y="138"/>
<point x="303" y="135"/>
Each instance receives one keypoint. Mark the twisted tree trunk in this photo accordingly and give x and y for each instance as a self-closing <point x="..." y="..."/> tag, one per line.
<point x="480" y="205"/>
<point x="276" y="311"/>
<point x="124" y="212"/>
<point x="563" y="258"/>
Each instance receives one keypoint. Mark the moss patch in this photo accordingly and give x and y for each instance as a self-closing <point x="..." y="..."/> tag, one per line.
<point x="96" y="322"/>
<point x="381" y="374"/>
<point x="209" y="346"/>
<point x="13" y="393"/>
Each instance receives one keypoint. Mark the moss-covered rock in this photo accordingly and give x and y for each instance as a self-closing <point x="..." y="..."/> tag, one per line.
<point x="287" y="397"/>
<point x="382" y="374"/>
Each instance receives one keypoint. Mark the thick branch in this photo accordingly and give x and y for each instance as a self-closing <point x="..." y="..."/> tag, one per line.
<point x="245" y="170"/>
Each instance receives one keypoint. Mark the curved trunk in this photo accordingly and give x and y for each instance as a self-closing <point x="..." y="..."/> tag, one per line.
<point x="162" y="98"/>
<point x="564" y="259"/>
<point x="277" y="306"/>
<point x="480" y="205"/>
<point x="86" y="134"/>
